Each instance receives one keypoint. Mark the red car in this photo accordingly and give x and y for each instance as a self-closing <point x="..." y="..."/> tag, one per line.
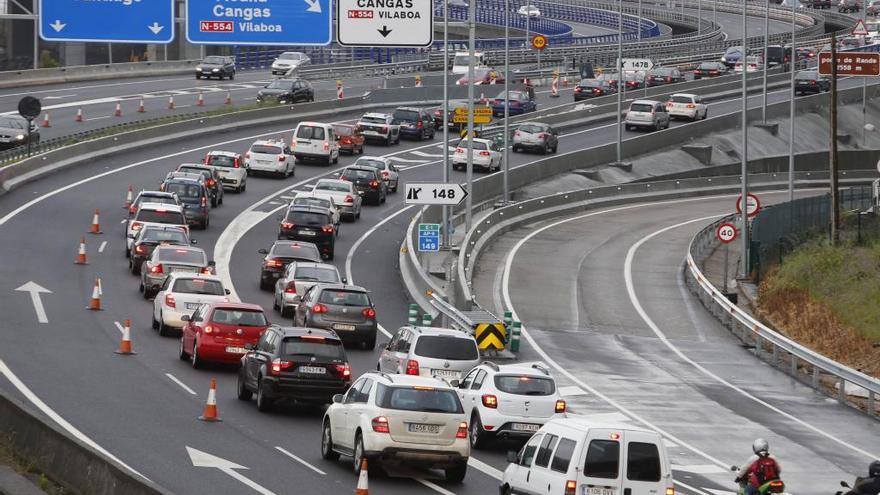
<point x="219" y="332"/>
<point x="349" y="138"/>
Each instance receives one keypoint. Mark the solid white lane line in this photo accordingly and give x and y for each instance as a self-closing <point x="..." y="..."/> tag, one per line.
<point x="435" y="487"/>
<point x="102" y="246"/>
<point x="121" y="221"/>
<point x="182" y="385"/>
<point x="300" y="460"/>
<point x="482" y="466"/>
<point x="634" y="299"/>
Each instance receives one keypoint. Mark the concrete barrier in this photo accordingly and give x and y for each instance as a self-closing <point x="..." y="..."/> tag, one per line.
<point x="18" y="78"/>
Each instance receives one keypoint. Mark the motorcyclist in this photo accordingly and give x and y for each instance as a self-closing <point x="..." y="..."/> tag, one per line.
<point x="758" y="469"/>
<point x="869" y="485"/>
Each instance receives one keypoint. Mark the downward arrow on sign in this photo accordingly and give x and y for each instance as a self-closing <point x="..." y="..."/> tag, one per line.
<point x="314" y="6"/>
<point x="57" y="26"/>
<point x="155" y="28"/>
<point x="384" y="31"/>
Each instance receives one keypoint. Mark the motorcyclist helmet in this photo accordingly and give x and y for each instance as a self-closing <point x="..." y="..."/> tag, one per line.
<point x="874" y="470"/>
<point x="761" y="447"/>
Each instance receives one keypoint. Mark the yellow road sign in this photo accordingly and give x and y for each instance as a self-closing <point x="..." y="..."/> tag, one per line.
<point x="478" y="119"/>
<point x="539" y="42"/>
<point x="477" y="111"/>
<point x="490" y="335"/>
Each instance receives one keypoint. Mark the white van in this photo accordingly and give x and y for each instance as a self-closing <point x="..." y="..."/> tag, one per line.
<point x="316" y="141"/>
<point x="575" y="456"/>
<point x="461" y="60"/>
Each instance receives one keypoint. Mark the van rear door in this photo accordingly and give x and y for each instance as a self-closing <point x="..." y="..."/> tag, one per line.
<point x="647" y="468"/>
<point x="601" y="458"/>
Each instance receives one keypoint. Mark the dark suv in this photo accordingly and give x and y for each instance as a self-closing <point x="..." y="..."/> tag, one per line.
<point x="216" y="66"/>
<point x="810" y="81"/>
<point x="193" y="196"/>
<point x="415" y="123"/>
<point x="281" y="254"/>
<point x="367" y="182"/>
<point x="311" y="224"/>
<point x="304" y="365"/>
<point x="212" y="180"/>
<point x="287" y="91"/>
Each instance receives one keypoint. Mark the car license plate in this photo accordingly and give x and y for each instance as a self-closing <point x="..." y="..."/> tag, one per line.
<point x="340" y="326"/>
<point x="307" y="232"/>
<point x="313" y="370"/>
<point x="236" y="350"/>
<point x="597" y="490"/>
<point x="423" y="428"/>
<point x="445" y="374"/>
<point x="193" y="305"/>
<point x="263" y="162"/>
<point x="184" y="270"/>
<point x="524" y="427"/>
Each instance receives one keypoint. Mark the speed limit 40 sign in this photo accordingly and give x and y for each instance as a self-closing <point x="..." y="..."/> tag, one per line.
<point x="726" y="233"/>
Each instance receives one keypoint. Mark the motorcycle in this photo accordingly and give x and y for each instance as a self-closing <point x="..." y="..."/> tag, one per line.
<point x="768" y="487"/>
<point x="852" y="491"/>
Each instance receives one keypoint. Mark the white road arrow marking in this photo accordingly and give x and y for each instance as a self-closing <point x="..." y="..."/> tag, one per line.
<point x="314" y="6"/>
<point x="204" y="459"/>
<point x="155" y="28"/>
<point x="35" y="290"/>
<point x="57" y="26"/>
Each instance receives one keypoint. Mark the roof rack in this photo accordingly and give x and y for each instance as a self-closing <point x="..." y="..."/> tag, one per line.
<point x="492" y="365"/>
<point x="541" y="368"/>
<point x="385" y="375"/>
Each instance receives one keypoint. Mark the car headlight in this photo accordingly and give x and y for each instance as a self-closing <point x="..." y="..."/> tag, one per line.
<point x="724" y="59"/>
<point x="216" y="70"/>
<point x="19" y="137"/>
<point x="199" y="69"/>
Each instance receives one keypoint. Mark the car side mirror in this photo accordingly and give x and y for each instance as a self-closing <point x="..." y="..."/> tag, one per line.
<point x="263" y="251"/>
<point x="337" y="398"/>
<point x="249" y="346"/>
<point x="844" y="484"/>
<point x="454" y="383"/>
<point x="228" y="291"/>
<point x="511" y="456"/>
<point x="193" y="241"/>
<point x="212" y="263"/>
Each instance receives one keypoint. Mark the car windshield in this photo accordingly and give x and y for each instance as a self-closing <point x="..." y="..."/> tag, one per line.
<point x="307" y="218"/>
<point x="333" y="186"/>
<point x="358" y="174"/>
<point x="173" y="255"/>
<point x="162" y="235"/>
<point x="12" y="123"/>
<point x="316" y="274"/>
<point x="266" y="149"/>
<point x="198" y="286"/>
<point x="513" y="95"/>
<point x="160" y="216"/>
<point x="186" y="192"/>
<point x="641" y="107"/>
<point x="213" y="60"/>
<point x="447" y="347"/>
<point x="162" y="200"/>
<point x="280" y="84"/>
<point x="524" y="384"/>
<point x="661" y="72"/>
<point x="319" y="347"/>
<point x="312" y="201"/>
<point x="422" y="399"/>
<point x="239" y="317"/>
<point x="531" y="128"/>
<point x="221" y="160"/>
<point x="343" y="130"/>
<point x="368" y="162"/>
<point x="344" y="298"/>
<point x="461" y="60"/>
<point x="733" y="50"/>
<point x="297" y="250"/>
<point x="590" y="84"/>
<point x="374" y="120"/>
<point x="290" y="56"/>
<point x="478" y="145"/>
<point x="681" y="99"/>
<point x="406" y="115"/>
<point x="807" y="75"/>
<point x="708" y="66"/>
<point x="310" y="132"/>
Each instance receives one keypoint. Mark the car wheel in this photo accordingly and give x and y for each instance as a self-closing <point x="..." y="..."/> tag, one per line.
<point x="264" y="404"/>
<point x="361" y="150"/>
<point x="135" y="268"/>
<point x="194" y="357"/>
<point x="220" y="201"/>
<point x="545" y="150"/>
<point x="265" y="285"/>
<point x="232" y="76"/>
<point x="627" y="127"/>
<point x="336" y="160"/>
<point x="243" y="187"/>
<point x="198" y="76"/>
<point x="275" y="304"/>
<point x="384" y="197"/>
<point x="327" y="452"/>
<point x="242" y="392"/>
<point x="456" y="473"/>
<point x="163" y="328"/>
<point x="357" y="454"/>
<point x="515" y="149"/>
<point x="285" y="312"/>
<point x="155" y="323"/>
<point x="505" y="490"/>
<point x="477" y="434"/>
<point x="146" y="293"/>
<point x="181" y="352"/>
<point x="369" y="343"/>
<point x="358" y="215"/>
<point x="706" y="114"/>
<point x="214" y="202"/>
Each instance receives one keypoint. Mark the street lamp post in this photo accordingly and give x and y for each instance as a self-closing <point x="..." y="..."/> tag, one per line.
<point x="506" y="196"/>
<point x="468" y="215"/>
<point x="791" y="107"/>
<point x="744" y="162"/>
<point x="620" y="81"/>
<point x="766" y="52"/>
<point x="445" y="112"/>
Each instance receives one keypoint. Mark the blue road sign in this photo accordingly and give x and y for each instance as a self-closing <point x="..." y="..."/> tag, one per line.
<point x="117" y="21"/>
<point x="267" y="22"/>
<point x="429" y="237"/>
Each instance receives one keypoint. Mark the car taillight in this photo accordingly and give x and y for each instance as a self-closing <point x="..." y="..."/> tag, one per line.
<point x="670" y="491"/>
<point x="344" y="370"/>
<point x="204" y="201"/>
<point x="282" y="158"/>
<point x="385" y="174"/>
<point x="668" y="79"/>
<point x="812" y="83"/>
<point x="272" y="263"/>
<point x="286" y="225"/>
<point x="279" y="365"/>
<point x="139" y="249"/>
<point x="485" y="153"/>
<point x="208" y="159"/>
<point x="517" y="134"/>
<point x="560" y="406"/>
<point x="490" y="401"/>
<point x="459" y="150"/>
<point x="169" y="301"/>
<point x="462" y="430"/>
<point x="208" y="329"/>
<point x="374" y="184"/>
<point x="691" y="105"/>
<point x="132" y="209"/>
<point x="697" y="71"/>
<point x="157" y="269"/>
<point x="412" y="367"/>
<point x="348" y="199"/>
<point x="319" y="308"/>
<point x="543" y="135"/>
<point x="327" y="229"/>
<point x="211" y="182"/>
<point x="380" y="424"/>
<point x="236" y="163"/>
<point x="597" y="90"/>
<point x="247" y="155"/>
<point x="668" y="104"/>
<point x="135" y="226"/>
<point x="326" y="146"/>
<point x="578" y="89"/>
<point x="290" y="288"/>
<point x="369" y="313"/>
<point x="207" y="270"/>
<point x="571" y="487"/>
<point x="419" y="124"/>
<point x="711" y="72"/>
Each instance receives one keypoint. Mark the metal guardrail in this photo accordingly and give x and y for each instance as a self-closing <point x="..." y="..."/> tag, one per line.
<point x="365" y="70"/>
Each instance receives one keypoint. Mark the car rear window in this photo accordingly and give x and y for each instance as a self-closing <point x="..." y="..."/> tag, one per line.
<point x="477" y="145"/>
<point x="310" y="132"/>
<point x="172" y="255"/>
<point x="377" y="164"/>
<point x="374" y="120"/>
<point x="184" y="191"/>
<point x="531" y="128"/>
<point x="266" y="149"/>
<point x="807" y="75"/>
<point x="708" y="66"/>
<point x="198" y="286"/>
<point x="524" y="384"/>
<point x="681" y="99"/>
<point x="590" y="84"/>
<point x="406" y="115"/>
<point x="344" y="298"/>
<point x="161" y="216"/>
<point x="238" y="317"/>
<point x="446" y="347"/>
<point x="195" y="170"/>
<point x="307" y="218"/>
<point x="358" y="174"/>
<point x="642" y="462"/>
<point x="343" y="130"/>
<point x="332" y="186"/>
<point x="221" y="161"/>
<point x="162" y="200"/>
<point x="319" y="347"/>
<point x="641" y="107"/>
<point x="301" y="250"/>
<point x="603" y="459"/>
<point x="316" y="274"/>
<point x="422" y="399"/>
<point x="661" y="72"/>
<point x="312" y="201"/>
<point x="160" y="235"/>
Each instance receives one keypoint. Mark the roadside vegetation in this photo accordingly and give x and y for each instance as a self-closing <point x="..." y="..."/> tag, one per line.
<point x="26" y="469"/>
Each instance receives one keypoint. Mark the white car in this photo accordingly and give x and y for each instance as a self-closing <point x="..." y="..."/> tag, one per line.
<point x="315" y="141"/>
<point x="181" y="294"/>
<point x="686" y="105"/>
<point x="432" y="352"/>
<point x="753" y="61"/>
<point x="461" y="61"/>
<point x="289" y="61"/>
<point x="270" y="156"/>
<point x="344" y="195"/>
<point x="529" y="10"/>
<point x="298" y="277"/>
<point x="320" y="200"/>
<point x="576" y="455"/>
<point x="387" y="170"/>
<point x="150" y="214"/>
<point x="398" y="419"/>
<point x="230" y="167"/>
<point x="379" y="126"/>
<point x="508" y="401"/>
<point x="486" y="155"/>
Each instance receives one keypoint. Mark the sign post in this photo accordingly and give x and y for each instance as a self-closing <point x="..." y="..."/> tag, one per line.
<point x="421" y="193"/>
<point x="29" y="108"/>
<point x="726" y="233"/>
<point x="389" y="23"/>
<point x="269" y="22"/>
<point x="429" y="237"/>
<point x="108" y="22"/>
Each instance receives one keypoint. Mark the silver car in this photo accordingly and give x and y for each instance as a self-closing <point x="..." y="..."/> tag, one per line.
<point x="438" y="352"/>
<point x="647" y="114"/>
<point x="387" y="171"/>
<point x="348" y="310"/>
<point x="535" y="136"/>
<point x="289" y="61"/>
<point x="171" y="259"/>
<point x="298" y="278"/>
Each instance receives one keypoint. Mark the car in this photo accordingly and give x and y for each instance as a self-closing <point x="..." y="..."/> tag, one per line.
<point x="212" y="180"/>
<point x="805" y="53"/>
<point x="611" y="78"/>
<point x="777" y="55"/>
<point x="872" y="9"/>
<point x="149" y="214"/>
<point x="387" y="170"/>
<point x="230" y="168"/>
<point x="286" y="91"/>
<point x="428" y="351"/>
<point x="519" y="101"/>
<point x="166" y="260"/>
<point x="687" y="105"/>
<point x="309" y="198"/>
<point x="148" y="238"/>
<point x="398" y="419"/>
<point x="270" y="156"/>
<point x="193" y="197"/>
<point x="482" y="75"/>
<point x="710" y="69"/>
<point x="486" y="155"/>
<point x="300" y="365"/>
<point x="810" y="81"/>
<point x="509" y="401"/>
<point x="279" y="255"/>
<point x="289" y="61"/>
<point x="849" y="6"/>
<point x="633" y="80"/>
<point x="591" y="88"/>
<point x="314" y="141"/>
<point x="754" y="63"/>
<point x="646" y="114"/>
<point x="344" y="195"/>
<point x="659" y="76"/>
<point x="312" y="224"/>
<point x="216" y="66"/>
<point x="219" y="332"/>
<point x="367" y="182"/>
<point x="415" y="123"/>
<point x="14" y="131"/>
<point x="379" y="126"/>
<point x="578" y="455"/>
<point x="180" y="295"/>
<point x="535" y="136"/>
<point x="348" y="310"/>
<point x="349" y="139"/>
<point x="529" y="10"/>
<point x="461" y="60"/>
<point x="451" y="107"/>
<point x="157" y="197"/>
<point x="850" y="43"/>
<point x="732" y="55"/>
<point x="298" y="278"/>
<point x="819" y="4"/>
<point x="787" y="4"/>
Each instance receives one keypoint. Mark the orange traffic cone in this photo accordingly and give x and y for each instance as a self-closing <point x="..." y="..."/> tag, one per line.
<point x="79" y="115"/>
<point x="363" y="480"/>
<point x="210" y="413"/>
<point x="95" y="303"/>
<point x="118" y="111"/>
<point x="170" y="103"/>
<point x="228" y="98"/>
<point x="141" y="108"/>
<point x="201" y="101"/>
<point x="81" y="254"/>
<point x="125" y="343"/>
<point x="46" y="121"/>
<point x="96" y="225"/>
<point x="128" y="197"/>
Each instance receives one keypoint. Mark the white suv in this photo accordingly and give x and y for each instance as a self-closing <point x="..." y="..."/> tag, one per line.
<point x="486" y="155"/>
<point x="508" y="401"/>
<point x="433" y="352"/>
<point x="269" y="155"/>
<point x="391" y="419"/>
<point x="380" y="126"/>
<point x="181" y="294"/>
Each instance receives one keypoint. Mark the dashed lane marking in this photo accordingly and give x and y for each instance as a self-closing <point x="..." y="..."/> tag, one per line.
<point x="182" y="385"/>
<point x="102" y="246"/>
<point x="300" y="460"/>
